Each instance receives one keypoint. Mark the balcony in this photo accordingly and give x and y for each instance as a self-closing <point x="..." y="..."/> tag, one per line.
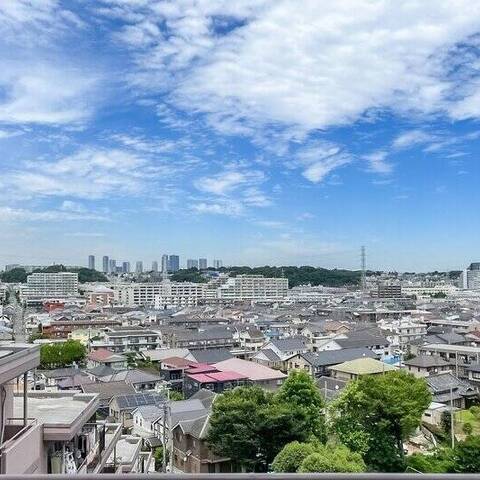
<point x="106" y="437"/>
<point x="21" y="437"/>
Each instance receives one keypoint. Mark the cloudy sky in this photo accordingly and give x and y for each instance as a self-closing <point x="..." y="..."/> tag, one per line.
<point x="249" y="130"/>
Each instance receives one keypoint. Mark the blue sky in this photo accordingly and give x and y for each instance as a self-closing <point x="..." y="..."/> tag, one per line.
<point x="251" y="131"/>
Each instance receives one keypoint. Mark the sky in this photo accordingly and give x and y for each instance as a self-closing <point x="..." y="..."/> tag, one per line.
<point x="253" y="131"/>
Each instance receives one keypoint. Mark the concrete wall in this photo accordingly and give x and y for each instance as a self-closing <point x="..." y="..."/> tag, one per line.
<point x="25" y="454"/>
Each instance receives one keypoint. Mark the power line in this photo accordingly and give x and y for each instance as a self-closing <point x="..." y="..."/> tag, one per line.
<point x="363" y="258"/>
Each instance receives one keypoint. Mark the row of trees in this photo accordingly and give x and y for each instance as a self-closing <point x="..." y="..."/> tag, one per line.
<point x="62" y="354"/>
<point x="292" y="430"/>
<point x="19" y="275"/>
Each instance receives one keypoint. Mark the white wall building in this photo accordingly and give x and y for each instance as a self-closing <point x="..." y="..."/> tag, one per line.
<point x="43" y="286"/>
<point x="253" y="287"/>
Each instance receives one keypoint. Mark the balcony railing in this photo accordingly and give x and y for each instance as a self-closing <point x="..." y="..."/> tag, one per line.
<point x="254" y="476"/>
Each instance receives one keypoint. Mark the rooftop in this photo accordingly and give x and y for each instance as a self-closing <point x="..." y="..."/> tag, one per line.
<point x="363" y="366"/>
<point x="253" y="371"/>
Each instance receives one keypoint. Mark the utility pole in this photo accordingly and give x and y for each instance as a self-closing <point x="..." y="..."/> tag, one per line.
<point x="363" y="258"/>
<point x="452" y="427"/>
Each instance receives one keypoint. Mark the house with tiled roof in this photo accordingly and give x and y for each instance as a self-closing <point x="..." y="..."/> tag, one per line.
<point x="317" y="364"/>
<point x="353" y="369"/>
<point x="191" y="453"/>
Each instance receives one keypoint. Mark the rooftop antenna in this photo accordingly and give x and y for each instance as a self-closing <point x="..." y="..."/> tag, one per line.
<point x="363" y="257"/>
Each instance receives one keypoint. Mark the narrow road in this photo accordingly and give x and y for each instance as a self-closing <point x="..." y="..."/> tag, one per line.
<point x="18" y="317"/>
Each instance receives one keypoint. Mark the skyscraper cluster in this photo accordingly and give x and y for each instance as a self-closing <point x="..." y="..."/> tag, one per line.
<point x="169" y="264"/>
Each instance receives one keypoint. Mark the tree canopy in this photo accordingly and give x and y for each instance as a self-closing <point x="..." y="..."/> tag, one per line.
<point x="375" y="414"/>
<point x="251" y="426"/>
<point x="15" y="275"/>
<point x="62" y="354"/>
<point x="333" y="459"/>
<point x="302" y="275"/>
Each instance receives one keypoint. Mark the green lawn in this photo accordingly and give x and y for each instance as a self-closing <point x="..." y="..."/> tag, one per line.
<point x="466" y="416"/>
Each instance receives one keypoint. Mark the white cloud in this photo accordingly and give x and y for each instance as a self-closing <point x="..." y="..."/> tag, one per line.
<point x="411" y="138"/>
<point x="226" y="182"/>
<point x="225" y="207"/>
<point x="89" y="173"/>
<point x="318" y="159"/>
<point x="335" y="66"/>
<point x="45" y="93"/>
<point x="377" y="162"/>
<point x="10" y="214"/>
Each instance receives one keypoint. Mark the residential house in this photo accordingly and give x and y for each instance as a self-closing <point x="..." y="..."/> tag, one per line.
<point x="191" y="453"/>
<point x="140" y="379"/>
<point x="106" y="358"/>
<point x="317" y="364"/>
<point x="257" y="374"/>
<point x="210" y="378"/>
<point x="122" y="406"/>
<point x="371" y="338"/>
<point x="276" y="352"/>
<point x="425" y="365"/>
<point x="353" y="369"/>
<point x="446" y="387"/>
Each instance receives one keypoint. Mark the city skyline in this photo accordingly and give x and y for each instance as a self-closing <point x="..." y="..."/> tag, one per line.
<point x="364" y="134"/>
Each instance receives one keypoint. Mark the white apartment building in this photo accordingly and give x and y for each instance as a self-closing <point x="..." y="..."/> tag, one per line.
<point x="253" y="287"/>
<point x="159" y="294"/>
<point x="400" y="333"/>
<point x="427" y="291"/>
<point x="43" y="286"/>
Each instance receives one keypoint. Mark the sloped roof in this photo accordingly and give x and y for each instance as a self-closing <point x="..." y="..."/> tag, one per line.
<point x="424" y="361"/>
<point x="253" y="371"/>
<point x="134" y="400"/>
<point x="211" y="355"/>
<point x="334" y="357"/>
<point x="104" y="355"/>
<point x="197" y="427"/>
<point x="289" y="344"/>
<point x="362" y="366"/>
<point x="108" y="389"/>
<point x="270" y="354"/>
<point x="132" y="376"/>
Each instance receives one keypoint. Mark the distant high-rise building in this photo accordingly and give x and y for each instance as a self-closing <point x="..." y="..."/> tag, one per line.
<point x="112" y="266"/>
<point x="202" y="263"/>
<point x="217" y="264"/>
<point x="470" y="278"/>
<point x="165" y="264"/>
<point x="91" y="262"/>
<point x="154" y="266"/>
<point x="139" y="267"/>
<point x="192" y="263"/>
<point x="174" y="263"/>
<point x="105" y="264"/>
<point x="126" y="267"/>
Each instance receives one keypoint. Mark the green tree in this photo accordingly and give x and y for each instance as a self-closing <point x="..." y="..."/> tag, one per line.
<point x="55" y="355"/>
<point x="15" y="275"/>
<point x="176" y="396"/>
<point x="300" y="392"/>
<point x="234" y="424"/>
<point x="437" y="462"/>
<point x="375" y="414"/>
<point x="467" y="428"/>
<point x="331" y="459"/>
<point x="466" y="455"/>
<point x="289" y="459"/>
<point x="251" y="426"/>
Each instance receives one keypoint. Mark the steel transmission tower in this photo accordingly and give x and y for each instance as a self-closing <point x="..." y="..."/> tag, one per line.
<point x="363" y="257"/>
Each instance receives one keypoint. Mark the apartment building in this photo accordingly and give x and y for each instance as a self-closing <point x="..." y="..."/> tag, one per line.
<point x="253" y="287"/>
<point x="161" y="294"/>
<point x="44" y="286"/>
<point x="50" y="432"/>
<point x="127" y="339"/>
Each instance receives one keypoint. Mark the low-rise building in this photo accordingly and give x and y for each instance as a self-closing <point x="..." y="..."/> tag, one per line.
<point x="353" y="369"/>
